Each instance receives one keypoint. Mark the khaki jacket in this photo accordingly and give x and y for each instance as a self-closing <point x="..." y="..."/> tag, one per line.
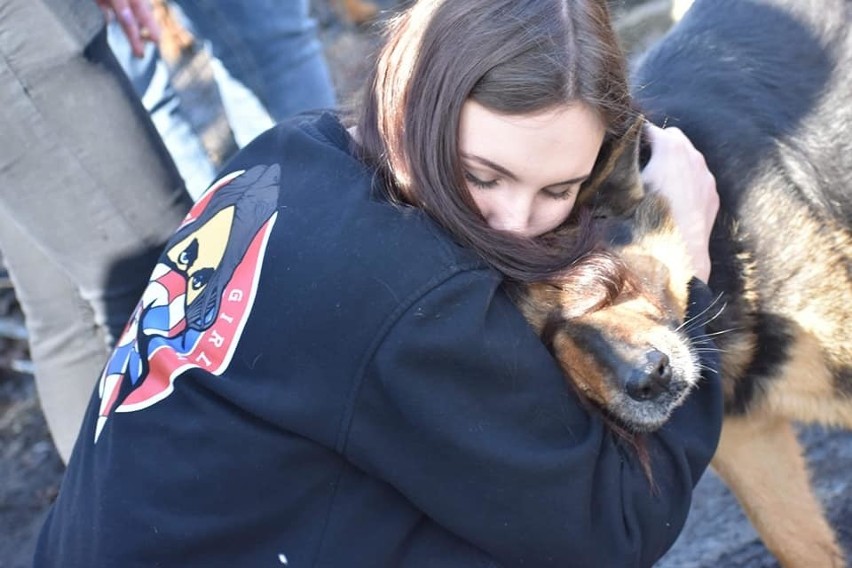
<point x="82" y="18"/>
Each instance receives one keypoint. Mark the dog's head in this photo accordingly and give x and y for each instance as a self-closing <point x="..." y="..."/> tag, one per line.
<point x="616" y="321"/>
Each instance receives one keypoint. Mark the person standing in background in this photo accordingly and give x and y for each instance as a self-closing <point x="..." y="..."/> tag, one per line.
<point x="89" y="193"/>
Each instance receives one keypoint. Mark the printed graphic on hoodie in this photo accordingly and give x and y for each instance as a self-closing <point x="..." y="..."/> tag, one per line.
<point x="199" y="295"/>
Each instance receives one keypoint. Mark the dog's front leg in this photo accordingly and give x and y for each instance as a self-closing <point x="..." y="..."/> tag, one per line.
<point x="760" y="459"/>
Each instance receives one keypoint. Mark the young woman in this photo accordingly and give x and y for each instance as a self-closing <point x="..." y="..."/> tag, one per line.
<point x="348" y="384"/>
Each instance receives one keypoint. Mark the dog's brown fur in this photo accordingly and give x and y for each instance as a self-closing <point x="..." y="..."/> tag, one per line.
<point x="782" y="261"/>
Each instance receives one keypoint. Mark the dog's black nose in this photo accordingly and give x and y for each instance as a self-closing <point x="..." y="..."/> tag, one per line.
<point x="648" y="381"/>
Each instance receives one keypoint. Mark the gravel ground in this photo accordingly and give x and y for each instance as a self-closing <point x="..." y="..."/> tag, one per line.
<point x="716" y="534"/>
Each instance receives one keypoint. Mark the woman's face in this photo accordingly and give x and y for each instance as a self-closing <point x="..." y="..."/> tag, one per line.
<point x="524" y="171"/>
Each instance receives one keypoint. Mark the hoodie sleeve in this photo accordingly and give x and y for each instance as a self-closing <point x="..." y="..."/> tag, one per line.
<point x="462" y="409"/>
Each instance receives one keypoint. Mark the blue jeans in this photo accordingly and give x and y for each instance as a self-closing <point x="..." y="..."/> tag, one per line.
<point x="88" y="197"/>
<point x="270" y="46"/>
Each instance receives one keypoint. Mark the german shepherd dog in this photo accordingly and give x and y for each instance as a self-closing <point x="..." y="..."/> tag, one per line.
<point x="763" y="88"/>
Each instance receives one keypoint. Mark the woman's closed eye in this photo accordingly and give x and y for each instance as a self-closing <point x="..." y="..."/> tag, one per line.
<point x="478" y="182"/>
<point x="563" y="190"/>
<point x="560" y="192"/>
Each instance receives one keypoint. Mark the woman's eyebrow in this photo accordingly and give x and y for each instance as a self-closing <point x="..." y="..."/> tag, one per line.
<point x="498" y="168"/>
<point x="490" y="164"/>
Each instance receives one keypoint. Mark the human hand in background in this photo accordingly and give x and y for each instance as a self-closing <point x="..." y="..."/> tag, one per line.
<point x="678" y="171"/>
<point x="136" y="19"/>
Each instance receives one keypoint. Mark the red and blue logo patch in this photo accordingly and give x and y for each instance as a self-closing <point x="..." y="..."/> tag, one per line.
<point x="199" y="296"/>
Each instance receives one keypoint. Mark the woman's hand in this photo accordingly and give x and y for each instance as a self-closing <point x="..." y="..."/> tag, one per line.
<point x="678" y="171"/>
<point x="136" y="20"/>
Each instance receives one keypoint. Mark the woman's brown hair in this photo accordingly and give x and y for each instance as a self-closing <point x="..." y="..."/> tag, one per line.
<point x="513" y="57"/>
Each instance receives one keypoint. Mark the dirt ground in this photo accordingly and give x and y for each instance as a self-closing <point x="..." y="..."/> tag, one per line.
<point x="717" y="533"/>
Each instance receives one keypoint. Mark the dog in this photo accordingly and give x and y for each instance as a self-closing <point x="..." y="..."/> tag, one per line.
<point x="763" y="88"/>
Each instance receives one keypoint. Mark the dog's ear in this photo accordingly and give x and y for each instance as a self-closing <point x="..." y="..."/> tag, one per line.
<point x="615" y="188"/>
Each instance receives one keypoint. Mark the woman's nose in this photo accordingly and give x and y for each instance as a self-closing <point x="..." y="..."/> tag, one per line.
<point x="512" y="214"/>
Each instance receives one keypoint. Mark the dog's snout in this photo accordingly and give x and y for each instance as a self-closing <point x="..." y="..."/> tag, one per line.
<point x="648" y="381"/>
